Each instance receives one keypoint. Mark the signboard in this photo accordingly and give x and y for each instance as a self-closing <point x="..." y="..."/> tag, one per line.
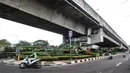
<point x="70" y="33"/>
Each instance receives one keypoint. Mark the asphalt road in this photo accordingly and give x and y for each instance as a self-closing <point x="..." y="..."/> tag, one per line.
<point x="117" y="65"/>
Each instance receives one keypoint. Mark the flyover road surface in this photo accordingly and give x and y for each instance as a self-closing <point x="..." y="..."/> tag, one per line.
<point x="117" y="65"/>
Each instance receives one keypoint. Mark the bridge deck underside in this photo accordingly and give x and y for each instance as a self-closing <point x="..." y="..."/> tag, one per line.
<point x="107" y="43"/>
<point x="13" y="14"/>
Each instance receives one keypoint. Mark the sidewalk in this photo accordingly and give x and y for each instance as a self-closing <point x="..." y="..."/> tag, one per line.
<point x="59" y="63"/>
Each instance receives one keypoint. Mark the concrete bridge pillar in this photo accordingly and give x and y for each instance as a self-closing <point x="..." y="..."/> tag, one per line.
<point x="64" y="40"/>
<point x="121" y="46"/>
<point x="94" y="35"/>
<point x="89" y="31"/>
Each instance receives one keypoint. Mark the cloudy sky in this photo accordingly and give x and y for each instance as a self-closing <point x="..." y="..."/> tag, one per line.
<point x="115" y="12"/>
<point x="15" y="32"/>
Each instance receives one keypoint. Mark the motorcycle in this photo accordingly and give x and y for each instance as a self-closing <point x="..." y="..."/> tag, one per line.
<point x="123" y="56"/>
<point x="30" y="62"/>
<point x="111" y="57"/>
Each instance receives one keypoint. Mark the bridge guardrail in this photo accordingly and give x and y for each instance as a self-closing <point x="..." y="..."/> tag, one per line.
<point x="87" y="8"/>
<point x="113" y="32"/>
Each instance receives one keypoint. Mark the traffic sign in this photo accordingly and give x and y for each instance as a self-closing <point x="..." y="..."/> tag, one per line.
<point x="70" y="33"/>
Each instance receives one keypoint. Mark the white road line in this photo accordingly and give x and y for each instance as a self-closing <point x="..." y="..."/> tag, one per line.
<point x="112" y="70"/>
<point x="119" y="64"/>
<point x="126" y="59"/>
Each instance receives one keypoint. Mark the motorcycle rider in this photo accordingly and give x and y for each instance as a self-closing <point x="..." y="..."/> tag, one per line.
<point x="30" y="61"/>
<point x="123" y="53"/>
<point x="110" y="54"/>
<point x="33" y="57"/>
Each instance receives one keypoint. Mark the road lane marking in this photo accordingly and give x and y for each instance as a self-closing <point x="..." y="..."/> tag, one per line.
<point x="112" y="70"/>
<point x="119" y="64"/>
<point x="126" y="59"/>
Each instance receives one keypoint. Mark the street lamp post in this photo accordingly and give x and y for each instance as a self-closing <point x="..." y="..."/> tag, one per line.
<point x="70" y="48"/>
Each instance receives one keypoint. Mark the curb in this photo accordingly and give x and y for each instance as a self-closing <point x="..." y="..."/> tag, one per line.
<point x="55" y="64"/>
<point x="86" y="60"/>
<point x="90" y="59"/>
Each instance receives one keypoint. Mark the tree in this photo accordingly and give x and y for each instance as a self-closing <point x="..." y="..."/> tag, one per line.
<point x="41" y="43"/>
<point x="64" y="46"/>
<point x="23" y="44"/>
<point x="5" y="43"/>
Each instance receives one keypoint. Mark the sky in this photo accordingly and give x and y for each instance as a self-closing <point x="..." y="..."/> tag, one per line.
<point x="15" y="32"/>
<point x="115" y="12"/>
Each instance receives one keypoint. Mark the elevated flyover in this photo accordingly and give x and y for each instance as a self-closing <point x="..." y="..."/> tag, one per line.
<point x="60" y="16"/>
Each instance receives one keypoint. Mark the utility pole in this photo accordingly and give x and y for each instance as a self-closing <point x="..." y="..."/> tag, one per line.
<point x="70" y="35"/>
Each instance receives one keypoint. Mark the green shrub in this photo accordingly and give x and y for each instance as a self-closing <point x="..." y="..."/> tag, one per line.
<point x="83" y="52"/>
<point x="95" y="54"/>
<point x="81" y="57"/>
<point x="26" y="49"/>
<point x="48" y="58"/>
<point x="9" y="49"/>
<point x="22" y="57"/>
<point x="7" y="55"/>
<point x="26" y="53"/>
<point x="42" y="54"/>
<point x="38" y="53"/>
<point x="56" y="53"/>
<point x="63" y="57"/>
<point x="66" y="51"/>
<point x="55" y="58"/>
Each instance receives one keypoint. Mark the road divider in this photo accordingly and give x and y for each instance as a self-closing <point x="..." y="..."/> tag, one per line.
<point x="86" y="60"/>
<point x="59" y="63"/>
<point x="89" y="59"/>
